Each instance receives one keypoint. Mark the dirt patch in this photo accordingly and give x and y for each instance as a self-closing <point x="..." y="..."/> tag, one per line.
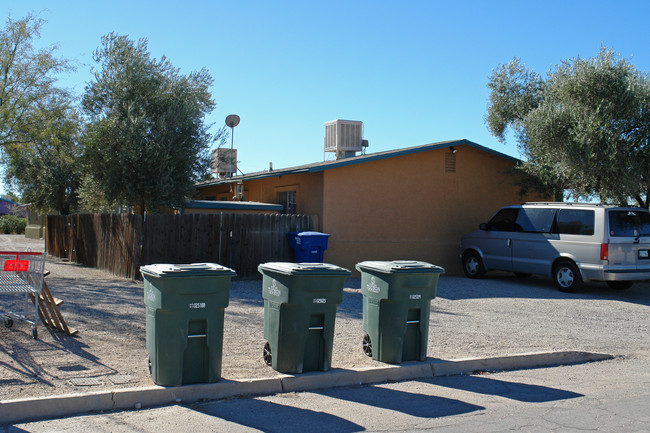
<point x="495" y="316"/>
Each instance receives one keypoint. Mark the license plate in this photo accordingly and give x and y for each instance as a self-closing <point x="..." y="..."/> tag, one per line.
<point x="643" y="254"/>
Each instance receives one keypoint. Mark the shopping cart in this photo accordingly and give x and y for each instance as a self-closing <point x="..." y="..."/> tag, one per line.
<point x="21" y="273"/>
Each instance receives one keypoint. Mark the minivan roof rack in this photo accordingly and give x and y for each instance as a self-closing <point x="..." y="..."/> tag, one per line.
<point x="555" y="203"/>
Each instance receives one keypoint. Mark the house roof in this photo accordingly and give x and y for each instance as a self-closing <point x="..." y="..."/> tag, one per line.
<point x="231" y="205"/>
<point x="326" y="165"/>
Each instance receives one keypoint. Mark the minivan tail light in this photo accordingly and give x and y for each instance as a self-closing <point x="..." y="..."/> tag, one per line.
<point x="604" y="251"/>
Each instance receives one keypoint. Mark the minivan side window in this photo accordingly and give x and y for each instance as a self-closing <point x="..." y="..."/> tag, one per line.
<point x="629" y="223"/>
<point x="504" y="220"/>
<point x="575" y="222"/>
<point x="535" y="220"/>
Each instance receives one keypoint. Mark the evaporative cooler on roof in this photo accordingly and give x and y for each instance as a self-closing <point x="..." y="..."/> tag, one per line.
<point x="224" y="162"/>
<point x="344" y="137"/>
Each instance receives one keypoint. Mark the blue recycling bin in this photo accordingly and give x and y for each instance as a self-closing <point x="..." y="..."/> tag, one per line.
<point x="308" y="246"/>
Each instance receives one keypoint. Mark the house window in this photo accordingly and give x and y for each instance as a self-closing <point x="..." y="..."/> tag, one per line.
<point x="288" y="201"/>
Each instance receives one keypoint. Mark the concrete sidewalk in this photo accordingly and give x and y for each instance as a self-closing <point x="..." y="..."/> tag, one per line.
<point x="20" y="410"/>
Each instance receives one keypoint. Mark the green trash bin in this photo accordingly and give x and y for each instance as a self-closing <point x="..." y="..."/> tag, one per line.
<point x="396" y="305"/>
<point x="185" y="309"/>
<point x="300" y="301"/>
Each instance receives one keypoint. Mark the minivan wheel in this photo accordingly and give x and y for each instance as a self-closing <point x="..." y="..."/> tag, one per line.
<point x="620" y="285"/>
<point x="473" y="265"/>
<point x="566" y="276"/>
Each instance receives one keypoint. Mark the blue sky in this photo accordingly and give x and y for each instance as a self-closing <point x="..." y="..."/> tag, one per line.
<point x="415" y="72"/>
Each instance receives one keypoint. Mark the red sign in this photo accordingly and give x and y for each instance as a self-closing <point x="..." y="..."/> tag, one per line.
<point x="16" y="265"/>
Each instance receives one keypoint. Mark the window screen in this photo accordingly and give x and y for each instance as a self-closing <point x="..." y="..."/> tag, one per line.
<point x="288" y="201"/>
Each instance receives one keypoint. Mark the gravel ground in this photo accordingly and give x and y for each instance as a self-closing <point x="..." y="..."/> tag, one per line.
<point x="496" y="316"/>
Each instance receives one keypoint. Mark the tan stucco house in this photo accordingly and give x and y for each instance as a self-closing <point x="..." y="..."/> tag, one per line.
<point x="407" y="204"/>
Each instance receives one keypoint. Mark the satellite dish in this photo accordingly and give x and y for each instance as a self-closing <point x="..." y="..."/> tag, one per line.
<point x="232" y="120"/>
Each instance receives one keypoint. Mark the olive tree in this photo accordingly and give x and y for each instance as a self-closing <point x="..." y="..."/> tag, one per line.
<point x="45" y="167"/>
<point x="39" y="125"/>
<point x="27" y="76"/>
<point x="585" y="127"/>
<point x="146" y="141"/>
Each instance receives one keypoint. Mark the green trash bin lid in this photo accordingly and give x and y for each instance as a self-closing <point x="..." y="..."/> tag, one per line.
<point x="397" y="266"/>
<point x="286" y="268"/>
<point x="164" y="270"/>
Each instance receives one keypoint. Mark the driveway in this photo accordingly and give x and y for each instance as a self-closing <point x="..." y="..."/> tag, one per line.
<point x="496" y="316"/>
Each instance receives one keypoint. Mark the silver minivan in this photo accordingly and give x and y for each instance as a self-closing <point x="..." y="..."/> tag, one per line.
<point x="570" y="242"/>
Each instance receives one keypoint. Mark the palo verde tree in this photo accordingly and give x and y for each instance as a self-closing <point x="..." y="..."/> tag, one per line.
<point x="146" y="143"/>
<point x="585" y="127"/>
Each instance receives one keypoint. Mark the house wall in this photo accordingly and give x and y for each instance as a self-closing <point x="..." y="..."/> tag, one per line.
<point x="404" y="207"/>
<point x="409" y="208"/>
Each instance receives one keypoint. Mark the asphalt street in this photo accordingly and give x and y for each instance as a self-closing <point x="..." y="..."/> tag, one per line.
<point x="610" y="396"/>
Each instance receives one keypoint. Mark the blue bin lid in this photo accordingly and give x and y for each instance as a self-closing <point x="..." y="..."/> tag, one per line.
<point x="287" y="268"/>
<point x="162" y="270"/>
<point x="310" y="234"/>
<point x="395" y="266"/>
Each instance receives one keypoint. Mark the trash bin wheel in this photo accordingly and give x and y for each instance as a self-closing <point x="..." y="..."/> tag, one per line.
<point x="149" y="363"/>
<point x="367" y="345"/>
<point x="9" y="323"/>
<point x="35" y="333"/>
<point x="268" y="357"/>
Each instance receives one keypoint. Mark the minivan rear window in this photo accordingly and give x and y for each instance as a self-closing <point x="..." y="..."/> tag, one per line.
<point x="575" y="222"/>
<point x="629" y="222"/>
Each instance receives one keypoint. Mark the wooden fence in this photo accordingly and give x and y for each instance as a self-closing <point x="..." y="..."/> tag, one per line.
<point x="122" y="243"/>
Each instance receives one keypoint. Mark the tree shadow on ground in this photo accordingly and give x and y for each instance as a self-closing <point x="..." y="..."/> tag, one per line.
<point x="30" y="361"/>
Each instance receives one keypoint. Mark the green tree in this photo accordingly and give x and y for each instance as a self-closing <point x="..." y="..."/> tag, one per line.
<point x="92" y="198"/>
<point x="45" y="165"/>
<point x="27" y="76"/>
<point x="147" y="143"/>
<point x="584" y="128"/>
<point x="13" y="197"/>
<point x="38" y="124"/>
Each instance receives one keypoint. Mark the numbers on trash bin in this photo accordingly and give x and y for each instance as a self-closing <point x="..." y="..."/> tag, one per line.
<point x="415" y="296"/>
<point x="197" y="305"/>
<point x="320" y="300"/>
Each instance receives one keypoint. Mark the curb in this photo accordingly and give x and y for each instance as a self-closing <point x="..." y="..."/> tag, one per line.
<point x="20" y="410"/>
